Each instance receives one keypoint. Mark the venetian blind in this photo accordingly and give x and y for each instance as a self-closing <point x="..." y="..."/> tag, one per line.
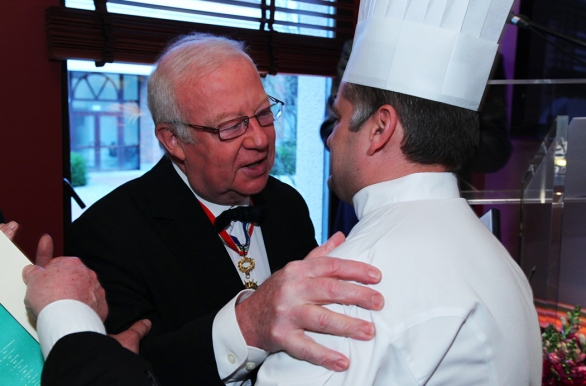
<point x="280" y="34"/>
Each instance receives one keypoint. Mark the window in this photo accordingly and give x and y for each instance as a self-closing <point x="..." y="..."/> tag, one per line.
<point x="105" y="118"/>
<point x="111" y="130"/>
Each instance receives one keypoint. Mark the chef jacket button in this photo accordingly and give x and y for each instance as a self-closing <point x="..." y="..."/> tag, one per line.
<point x="250" y="366"/>
<point x="232" y="358"/>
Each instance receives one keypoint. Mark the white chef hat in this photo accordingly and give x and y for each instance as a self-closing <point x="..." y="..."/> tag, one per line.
<point x="442" y="50"/>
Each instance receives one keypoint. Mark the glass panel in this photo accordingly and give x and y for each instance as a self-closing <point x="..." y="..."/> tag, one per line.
<point x="130" y="89"/>
<point x="94" y="106"/>
<point x="512" y="134"/>
<point x="131" y="160"/>
<point x="542" y="206"/>
<point x="81" y="89"/>
<point x="80" y="4"/>
<point x="541" y="191"/>
<point x="74" y="76"/>
<point x="572" y="288"/>
<point x="195" y="12"/>
<point x="108" y="131"/>
<point x="536" y="103"/>
<point x="109" y="158"/>
<point x="105" y="87"/>
<point x="83" y="131"/>
<point x="521" y="127"/>
<point x="304" y="18"/>
<point x="90" y="157"/>
<point x="553" y="215"/>
<point x="284" y="88"/>
<point x="130" y="133"/>
<point x="300" y="152"/>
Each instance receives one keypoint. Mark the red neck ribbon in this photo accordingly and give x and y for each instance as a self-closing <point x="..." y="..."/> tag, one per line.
<point x="231" y="241"/>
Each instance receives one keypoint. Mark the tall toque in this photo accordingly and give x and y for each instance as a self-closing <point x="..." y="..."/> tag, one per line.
<point x="442" y="50"/>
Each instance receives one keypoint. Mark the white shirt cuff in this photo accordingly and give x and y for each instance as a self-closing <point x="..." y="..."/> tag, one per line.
<point x="64" y="317"/>
<point x="233" y="357"/>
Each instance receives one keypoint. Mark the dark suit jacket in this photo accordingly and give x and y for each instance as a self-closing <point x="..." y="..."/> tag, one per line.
<point x="158" y="257"/>
<point x="88" y="358"/>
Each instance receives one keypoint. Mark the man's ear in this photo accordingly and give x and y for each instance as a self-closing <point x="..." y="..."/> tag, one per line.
<point x="384" y="126"/>
<point x="170" y="141"/>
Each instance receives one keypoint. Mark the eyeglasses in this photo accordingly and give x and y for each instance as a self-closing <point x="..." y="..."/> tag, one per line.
<point x="236" y="127"/>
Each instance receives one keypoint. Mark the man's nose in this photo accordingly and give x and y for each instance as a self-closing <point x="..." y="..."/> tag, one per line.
<point x="256" y="137"/>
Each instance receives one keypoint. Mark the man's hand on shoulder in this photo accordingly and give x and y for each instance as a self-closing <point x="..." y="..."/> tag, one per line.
<point x="276" y="316"/>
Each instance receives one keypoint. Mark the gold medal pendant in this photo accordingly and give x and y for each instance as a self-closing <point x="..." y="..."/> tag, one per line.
<point x="250" y="284"/>
<point x="246" y="265"/>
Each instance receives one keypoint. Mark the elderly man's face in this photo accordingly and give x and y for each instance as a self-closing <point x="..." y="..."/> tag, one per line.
<point x="227" y="172"/>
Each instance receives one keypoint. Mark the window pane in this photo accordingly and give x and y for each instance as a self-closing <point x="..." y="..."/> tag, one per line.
<point x="300" y="156"/>
<point x="130" y="88"/>
<point x="131" y="159"/>
<point x="81" y="89"/>
<point x="89" y="156"/>
<point x="95" y="106"/>
<point x="116" y="156"/>
<point x="130" y="124"/>
<point x="103" y="87"/>
<point x="82" y="131"/>
<point x="284" y="88"/>
<point x="108" y="131"/>
<point x="304" y="19"/>
<point x="108" y="158"/>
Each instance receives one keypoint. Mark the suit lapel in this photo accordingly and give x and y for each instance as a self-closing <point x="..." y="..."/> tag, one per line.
<point x="189" y="234"/>
<point x="275" y="240"/>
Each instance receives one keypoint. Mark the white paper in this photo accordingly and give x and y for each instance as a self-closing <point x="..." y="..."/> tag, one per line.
<point x="12" y="288"/>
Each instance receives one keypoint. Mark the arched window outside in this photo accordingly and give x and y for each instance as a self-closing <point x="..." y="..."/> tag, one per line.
<point x="105" y="119"/>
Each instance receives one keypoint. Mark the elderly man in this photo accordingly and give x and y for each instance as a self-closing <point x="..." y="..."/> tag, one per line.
<point x="459" y="311"/>
<point x="155" y="246"/>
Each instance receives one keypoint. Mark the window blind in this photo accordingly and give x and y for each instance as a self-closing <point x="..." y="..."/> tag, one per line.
<point x="280" y="34"/>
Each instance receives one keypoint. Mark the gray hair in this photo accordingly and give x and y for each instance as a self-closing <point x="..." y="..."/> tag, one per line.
<point x="188" y="58"/>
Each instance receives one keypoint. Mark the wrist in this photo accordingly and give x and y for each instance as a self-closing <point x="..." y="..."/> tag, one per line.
<point x="246" y="319"/>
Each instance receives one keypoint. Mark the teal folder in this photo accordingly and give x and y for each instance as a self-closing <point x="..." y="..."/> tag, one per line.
<point x="21" y="359"/>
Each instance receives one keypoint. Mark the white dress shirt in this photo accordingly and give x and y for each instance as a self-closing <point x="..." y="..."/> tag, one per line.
<point x="65" y="317"/>
<point x="233" y="357"/>
<point x="458" y="309"/>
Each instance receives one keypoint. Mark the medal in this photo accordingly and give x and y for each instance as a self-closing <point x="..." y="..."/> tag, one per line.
<point x="246" y="263"/>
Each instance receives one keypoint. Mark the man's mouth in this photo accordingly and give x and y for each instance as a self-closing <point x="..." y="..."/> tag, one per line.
<point x="258" y="162"/>
<point x="256" y="169"/>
